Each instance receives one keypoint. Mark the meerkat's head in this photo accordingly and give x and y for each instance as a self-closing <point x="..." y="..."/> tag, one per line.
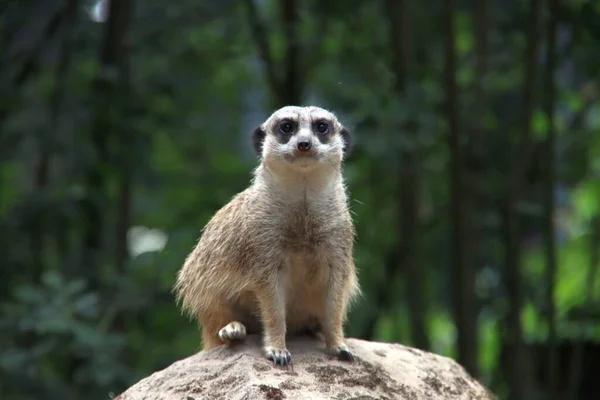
<point x="302" y="139"/>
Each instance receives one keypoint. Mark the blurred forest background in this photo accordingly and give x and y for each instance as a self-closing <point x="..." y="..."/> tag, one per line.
<point x="475" y="180"/>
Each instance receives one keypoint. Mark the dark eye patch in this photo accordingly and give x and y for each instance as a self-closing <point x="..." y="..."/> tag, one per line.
<point x="284" y="130"/>
<point x="323" y="130"/>
<point x="286" y="127"/>
<point x="321" y="127"/>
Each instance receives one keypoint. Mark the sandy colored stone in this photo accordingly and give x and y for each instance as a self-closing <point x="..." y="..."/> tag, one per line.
<point x="381" y="371"/>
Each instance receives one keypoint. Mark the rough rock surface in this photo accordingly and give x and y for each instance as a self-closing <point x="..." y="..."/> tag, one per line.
<point x="380" y="371"/>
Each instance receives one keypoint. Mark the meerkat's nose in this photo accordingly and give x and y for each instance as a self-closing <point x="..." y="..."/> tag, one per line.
<point x="304" y="144"/>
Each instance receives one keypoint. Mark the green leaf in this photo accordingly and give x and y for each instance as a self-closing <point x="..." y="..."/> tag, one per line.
<point x="540" y="124"/>
<point x="534" y="327"/>
<point x="464" y="33"/>
<point x="586" y="199"/>
<point x="574" y="101"/>
<point x="489" y="340"/>
<point x="442" y="332"/>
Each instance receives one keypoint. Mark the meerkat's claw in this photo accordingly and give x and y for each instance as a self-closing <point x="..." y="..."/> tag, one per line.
<point x="346" y="355"/>
<point x="342" y="352"/>
<point x="233" y="331"/>
<point x="279" y="357"/>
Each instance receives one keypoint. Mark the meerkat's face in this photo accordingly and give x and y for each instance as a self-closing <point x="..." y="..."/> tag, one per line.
<point x="302" y="138"/>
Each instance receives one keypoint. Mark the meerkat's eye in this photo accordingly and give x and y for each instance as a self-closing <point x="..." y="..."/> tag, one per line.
<point x="286" y="127"/>
<point x="322" y="127"/>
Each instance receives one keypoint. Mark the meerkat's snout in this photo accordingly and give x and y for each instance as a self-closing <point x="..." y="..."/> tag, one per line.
<point x="304" y="145"/>
<point x="304" y="152"/>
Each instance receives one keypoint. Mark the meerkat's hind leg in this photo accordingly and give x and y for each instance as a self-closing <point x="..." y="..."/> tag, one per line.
<point x="232" y="331"/>
<point x="336" y="304"/>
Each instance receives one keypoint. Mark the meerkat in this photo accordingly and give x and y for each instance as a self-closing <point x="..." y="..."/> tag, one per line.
<point x="278" y="258"/>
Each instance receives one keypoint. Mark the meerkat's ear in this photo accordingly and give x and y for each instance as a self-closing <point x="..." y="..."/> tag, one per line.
<point x="348" y="143"/>
<point x="258" y="136"/>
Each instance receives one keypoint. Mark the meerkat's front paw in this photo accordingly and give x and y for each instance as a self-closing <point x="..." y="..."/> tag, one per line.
<point x="279" y="357"/>
<point x="342" y="352"/>
<point x="233" y="331"/>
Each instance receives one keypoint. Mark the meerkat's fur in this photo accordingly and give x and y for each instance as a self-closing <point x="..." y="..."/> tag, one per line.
<point x="278" y="258"/>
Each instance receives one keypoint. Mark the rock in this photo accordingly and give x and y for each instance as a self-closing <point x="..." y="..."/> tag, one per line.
<point x="380" y="371"/>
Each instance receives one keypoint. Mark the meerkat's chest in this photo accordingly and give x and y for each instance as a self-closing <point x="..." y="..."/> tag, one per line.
<point x="308" y="229"/>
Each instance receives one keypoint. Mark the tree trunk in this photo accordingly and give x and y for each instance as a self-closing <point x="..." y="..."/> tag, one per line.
<point x="67" y="18"/>
<point x="481" y="23"/>
<point x="260" y="36"/>
<point x="126" y="142"/>
<point x="286" y="87"/>
<point x="549" y="202"/>
<point x="291" y="85"/>
<point x="408" y="183"/>
<point x="512" y="238"/>
<point x="110" y="76"/>
<point x="517" y="377"/>
<point x="39" y="228"/>
<point x="476" y="250"/>
<point x="576" y="362"/>
<point x="38" y="239"/>
<point x="124" y="158"/>
<point x="62" y="224"/>
<point x="47" y="14"/>
<point x="464" y="299"/>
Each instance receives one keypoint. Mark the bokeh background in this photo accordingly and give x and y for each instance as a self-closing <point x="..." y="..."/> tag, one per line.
<point x="475" y="180"/>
